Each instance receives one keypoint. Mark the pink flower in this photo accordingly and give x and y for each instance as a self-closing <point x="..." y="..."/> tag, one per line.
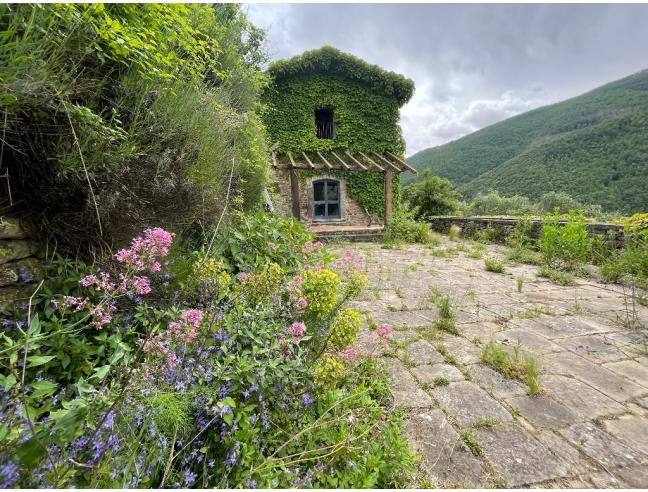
<point x="349" y="354"/>
<point x="88" y="280"/>
<point x="296" y="330"/>
<point x="318" y="245"/>
<point x="141" y="285"/>
<point x="301" y="303"/>
<point x="175" y="327"/>
<point x="193" y="317"/>
<point x="145" y="251"/>
<point x="385" y="331"/>
<point x="244" y="276"/>
<point x="308" y="246"/>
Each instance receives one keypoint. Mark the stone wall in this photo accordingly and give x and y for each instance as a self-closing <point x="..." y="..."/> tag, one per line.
<point x="21" y="264"/>
<point x="612" y="232"/>
<point x="351" y="212"/>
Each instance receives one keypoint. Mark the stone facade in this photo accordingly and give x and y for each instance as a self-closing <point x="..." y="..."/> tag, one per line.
<point x="20" y="264"/>
<point x="351" y="214"/>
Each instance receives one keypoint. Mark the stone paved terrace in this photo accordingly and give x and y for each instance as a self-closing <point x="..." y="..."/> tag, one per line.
<point x="589" y="426"/>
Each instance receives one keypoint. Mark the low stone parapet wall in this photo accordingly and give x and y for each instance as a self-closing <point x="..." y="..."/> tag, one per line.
<point x="21" y="264"/>
<point x="612" y="232"/>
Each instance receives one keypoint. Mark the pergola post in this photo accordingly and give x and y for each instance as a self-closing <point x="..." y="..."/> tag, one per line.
<point x="388" y="196"/>
<point x="294" y="191"/>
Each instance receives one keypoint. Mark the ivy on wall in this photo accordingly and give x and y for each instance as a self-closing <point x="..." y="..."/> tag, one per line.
<point x="365" y="100"/>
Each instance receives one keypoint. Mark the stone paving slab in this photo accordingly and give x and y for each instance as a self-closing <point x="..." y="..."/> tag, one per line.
<point x="603" y="447"/>
<point x="468" y="403"/>
<point x="427" y="374"/>
<point x="445" y="460"/>
<point x="554" y="327"/>
<point x="631" y="370"/>
<point x="595" y="348"/>
<point x="493" y="382"/>
<point x="422" y="352"/>
<point x="631" y="430"/>
<point x="604" y="380"/>
<point x="464" y="351"/>
<point x="543" y="412"/>
<point x="405" y="389"/>
<point x="580" y="398"/>
<point x="518" y="457"/>
<point x="530" y="341"/>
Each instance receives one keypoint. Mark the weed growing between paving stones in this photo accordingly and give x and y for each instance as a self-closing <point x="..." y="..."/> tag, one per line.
<point x="524" y="255"/>
<point x="446" y="323"/>
<point x="533" y="313"/>
<point x="453" y="233"/>
<point x="441" y="381"/>
<point x="493" y="266"/>
<point x="486" y="423"/>
<point x="520" y="283"/>
<point x="471" y="442"/>
<point x="513" y="364"/>
<point x="477" y="251"/>
<point x="556" y="276"/>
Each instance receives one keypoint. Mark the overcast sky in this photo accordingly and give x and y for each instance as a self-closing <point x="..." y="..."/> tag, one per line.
<point x="473" y="65"/>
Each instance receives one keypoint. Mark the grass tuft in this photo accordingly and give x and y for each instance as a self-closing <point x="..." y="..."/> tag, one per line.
<point x="493" y="266"/>
<point x="513" y="364"/>
<point x="471" y="442"/>
<point x="556" y="276"/>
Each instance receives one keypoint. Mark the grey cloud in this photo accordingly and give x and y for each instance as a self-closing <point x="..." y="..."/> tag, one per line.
<point x="472" y="64"/>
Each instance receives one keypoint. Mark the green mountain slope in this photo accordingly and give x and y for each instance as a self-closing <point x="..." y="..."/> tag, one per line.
<point x="594" y="146"/>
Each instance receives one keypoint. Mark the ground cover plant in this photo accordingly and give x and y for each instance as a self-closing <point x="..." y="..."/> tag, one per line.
<point x="178" y="368"/>
<point x="513" y="364"/>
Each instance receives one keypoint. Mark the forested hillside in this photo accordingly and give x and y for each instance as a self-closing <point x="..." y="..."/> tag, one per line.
<point x="593" y="147"/>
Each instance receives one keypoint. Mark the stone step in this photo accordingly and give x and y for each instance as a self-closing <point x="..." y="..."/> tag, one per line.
<point x="356" y="235"/>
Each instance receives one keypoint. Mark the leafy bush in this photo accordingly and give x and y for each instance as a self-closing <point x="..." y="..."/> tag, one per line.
<point x="117" y="113"/>
<point x="431" y="196"/>
<point x="629" y="263"/>
<point x="454" y="232"/>
<point x="492" y="203"/>
<point x="405" y="229"/>
<point x="564" y="246"/>
<point x="564" y="203"/>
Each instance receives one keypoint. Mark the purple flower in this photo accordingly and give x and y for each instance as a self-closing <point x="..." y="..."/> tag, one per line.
<point x="251" y="483"/>
<point x="307" y="399"/>
<point x="231" y="459"/>
<point x="10" y="475"/>
<point x="189" y="477"/>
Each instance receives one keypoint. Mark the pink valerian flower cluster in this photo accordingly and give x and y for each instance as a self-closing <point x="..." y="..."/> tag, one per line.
<point x="101" y="283"/>
<point x="349" y="261"/>
<point x="295" y="332"/>
<point x="101" y="313"/>
<point x="318" y="266"/>
<point x="294" y="288"/>
<point x="185" y="329"/>
<point x="310" y="246"/>
<point x="349" y="354"/>
<point x="294" y="284"/>
<point x="385" y="333"/>
<point x="244" y="276"/>
<point x="145" y="252"/>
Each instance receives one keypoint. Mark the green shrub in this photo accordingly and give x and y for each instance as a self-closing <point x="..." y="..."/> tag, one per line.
<point x="522" y="235"/>
<point x="492" y="203"/>
<point x="564" y="246"/>
<point x="493" y="266"/>
<point x="524" y="255"/>
<point x="491" y="235"/>
<point x="404" y="229"/>
<point x="431" y="196"/>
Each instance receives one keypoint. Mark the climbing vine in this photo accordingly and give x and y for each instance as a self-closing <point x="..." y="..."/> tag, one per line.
<point x="365" y="100"/>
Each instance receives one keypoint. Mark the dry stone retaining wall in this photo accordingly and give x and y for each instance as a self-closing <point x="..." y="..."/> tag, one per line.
<point x="21" y="263"/>
<point x="613" y="232"/>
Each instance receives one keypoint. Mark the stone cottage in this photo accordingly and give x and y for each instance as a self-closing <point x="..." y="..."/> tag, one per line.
<point x="337" y="147"/>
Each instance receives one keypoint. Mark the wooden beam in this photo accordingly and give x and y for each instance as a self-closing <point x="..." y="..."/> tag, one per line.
<point x="396" y="168"/>
<point x="274" y="159"/>
<point x="328" y="164"/>
<point x="358" y="162"/>
<point x="388" y="196"/>
<point x="409" y="168"/>
<point x="292" y="161"/>
<point x="371" y="160"/>
<point x="312" y="166"/>
<point x="346" y="166"/>
<point x="294" y="192"/>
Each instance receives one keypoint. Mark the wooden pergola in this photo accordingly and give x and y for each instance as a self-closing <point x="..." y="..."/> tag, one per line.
<point x="342" y="160"/>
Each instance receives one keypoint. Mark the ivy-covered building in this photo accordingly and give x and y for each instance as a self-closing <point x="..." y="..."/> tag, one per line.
<point x="337" y="147"/>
